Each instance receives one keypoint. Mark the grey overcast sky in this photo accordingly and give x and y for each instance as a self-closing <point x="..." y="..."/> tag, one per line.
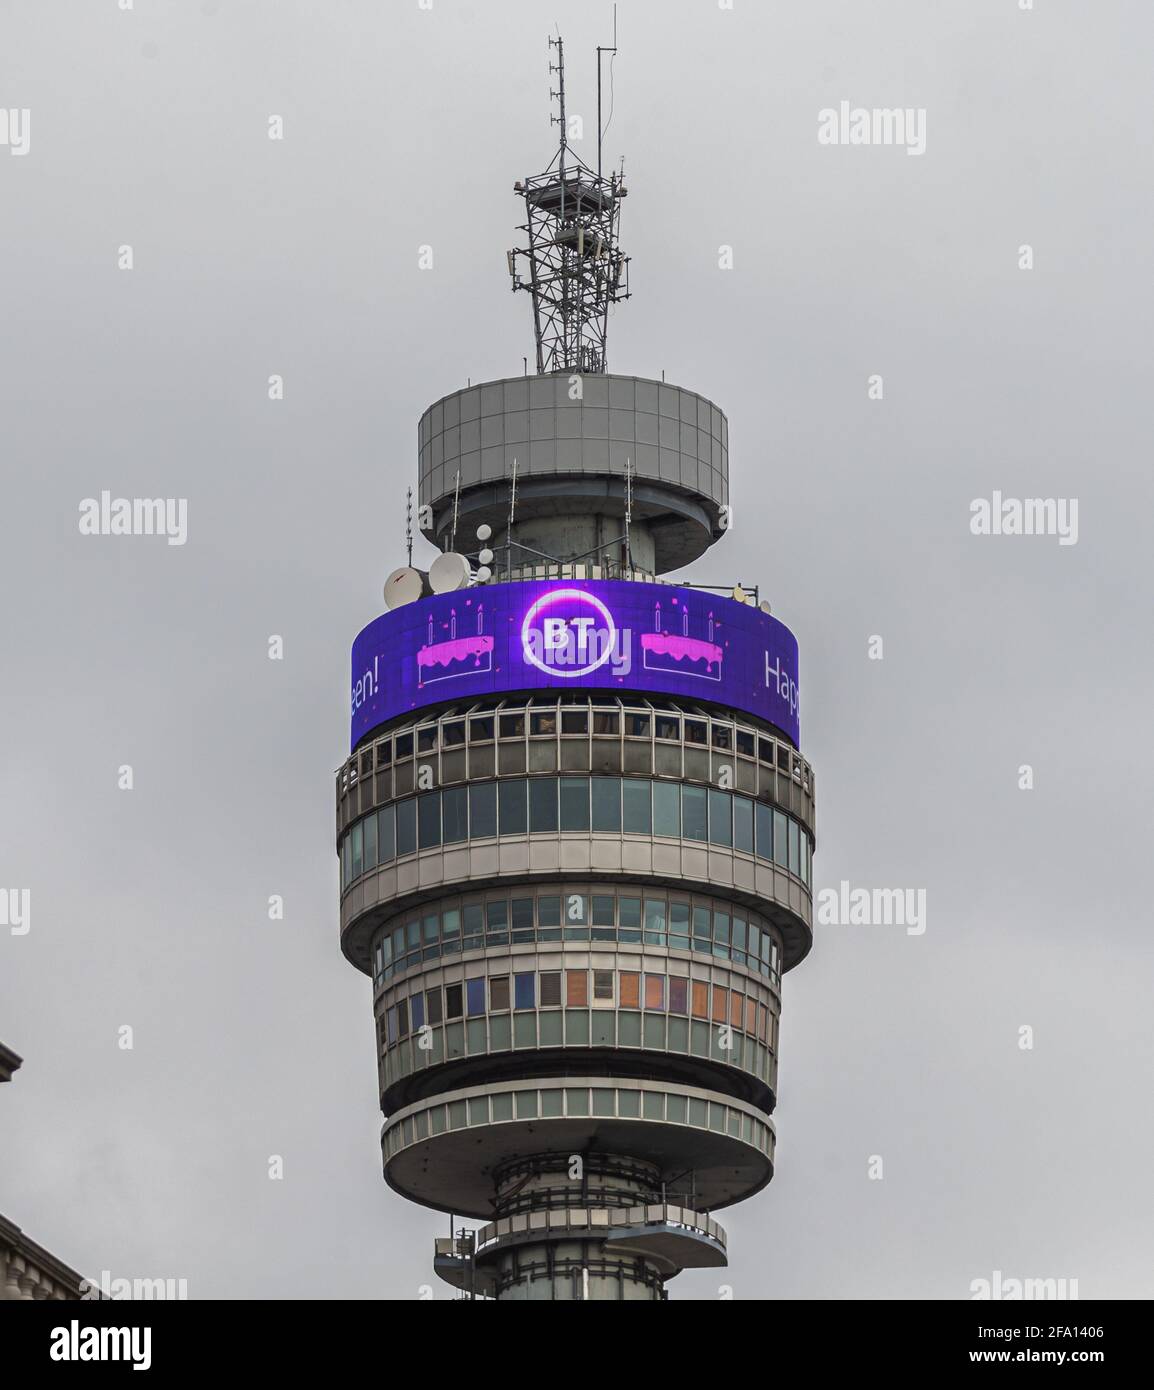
<point x="405" y="127"/>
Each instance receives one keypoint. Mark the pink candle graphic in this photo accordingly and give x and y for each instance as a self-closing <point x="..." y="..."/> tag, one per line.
<point x="454" y="656"/>
<point x="681" y="655"/>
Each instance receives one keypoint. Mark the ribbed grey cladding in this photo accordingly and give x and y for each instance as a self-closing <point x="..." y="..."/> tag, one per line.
<point x="673" y="436"/>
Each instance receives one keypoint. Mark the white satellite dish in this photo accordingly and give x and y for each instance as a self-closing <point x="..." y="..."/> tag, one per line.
<point x="449" y="572"/>
<point x="484" y="532"/>
<point x="404" y="586"/>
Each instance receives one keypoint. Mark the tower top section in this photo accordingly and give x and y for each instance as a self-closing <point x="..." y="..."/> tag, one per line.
<point x="572" y="265"/>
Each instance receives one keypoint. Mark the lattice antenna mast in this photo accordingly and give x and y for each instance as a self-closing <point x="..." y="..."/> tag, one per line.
<point x="573" y="266"/>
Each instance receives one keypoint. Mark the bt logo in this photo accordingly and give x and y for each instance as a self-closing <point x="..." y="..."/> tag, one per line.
<point x="570" y="633"/>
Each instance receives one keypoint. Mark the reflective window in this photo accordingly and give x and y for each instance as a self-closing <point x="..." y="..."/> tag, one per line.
<point x="542" y="805"/>
<point x="693" y="814"/>
<point x="607" y="804"/>
<point x="358" y="849"/>
<point x="629" y="919"/>
<point x="497" y="923"/>
<point x="655" y="921"/>
<point x="522" y="919"/>
<point x="451" y="930"/>
<point x="720" y="818"/>
<point x="472" y="926"/>
<point x="743" y="824"/>
<point x="406" y="827"/>
<point x="779" y="847"/>
<point x="429" y="820"/>
<point x="636" y="816"/>
<point x="370" y="824"/>
<point x="679" y="926"/>
<point x="455" y="815"/>
<point x="606" y="721"/>
<point x="604" y="910"/>
<point x="475" y="996"/>
<point x="721" y="934"/>
<point x="764" y="815"/>
<point x="482" y="810"/>
<point x="667" y="809"/>
<point x="386" y="834"/>
<point x="513" y="803"/>
<point x="574" y="803"/>
<point x="523" y="991"/>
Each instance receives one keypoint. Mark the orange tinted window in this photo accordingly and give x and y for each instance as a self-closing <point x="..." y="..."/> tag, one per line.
<point x="576" y="988"/>
<point x="700" y="999"/>
<point x="655" y="991"/>
<point x="630" y="990"/>
<point x="751" y="1016"/>
<point x="735" y="1009"/>
<point x="719" y="1002"/>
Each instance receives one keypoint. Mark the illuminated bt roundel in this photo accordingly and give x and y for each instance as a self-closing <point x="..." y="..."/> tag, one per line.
<point x="568" y="633"/>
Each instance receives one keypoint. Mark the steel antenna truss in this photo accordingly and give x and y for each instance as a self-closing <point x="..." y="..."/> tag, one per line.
<point x="573" y="266"/>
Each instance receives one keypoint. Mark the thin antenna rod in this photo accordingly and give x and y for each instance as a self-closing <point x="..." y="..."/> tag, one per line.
<point x="409" y="525"/>
<point x="600" y="127"/>
<point x="628" y="513"/>
<point x="509" y="527"/>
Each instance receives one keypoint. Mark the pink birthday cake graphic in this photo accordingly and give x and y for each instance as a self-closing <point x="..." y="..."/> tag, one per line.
<point x="446" y="655"/>
<point x="679" y="653"/>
